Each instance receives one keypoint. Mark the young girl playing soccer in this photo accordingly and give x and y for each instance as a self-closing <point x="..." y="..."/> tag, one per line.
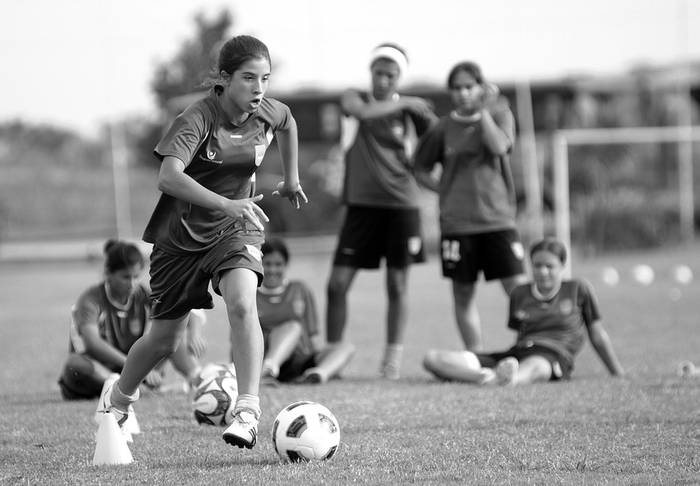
<point x="207" y="228"/>
<point x="551" y="317"/>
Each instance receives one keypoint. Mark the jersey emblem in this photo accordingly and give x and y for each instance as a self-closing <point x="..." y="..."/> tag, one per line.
<point x="211" y="155"/>
<point x="518" y="250"/>
<point x="520" y="314"/>
<point x="254" y="252"/>
<point x="414" y="245"/>
<point x="566" y="306"/>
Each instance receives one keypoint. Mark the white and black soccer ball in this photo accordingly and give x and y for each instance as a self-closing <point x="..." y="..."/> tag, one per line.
<point x="214" y="400"/>
<point x="213" y="370"/>
<point x="305" y="431"/>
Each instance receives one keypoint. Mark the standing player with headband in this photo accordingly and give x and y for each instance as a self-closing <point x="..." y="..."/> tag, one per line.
<point x="381" y="195"/>
<point x="207" y="228"/>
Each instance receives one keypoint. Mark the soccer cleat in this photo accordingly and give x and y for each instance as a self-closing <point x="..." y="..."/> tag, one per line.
<point x="507" y="371"/>
<point x="390" y="371"/>
<point x="243" y="431"/>
<point x="104" y="404"/>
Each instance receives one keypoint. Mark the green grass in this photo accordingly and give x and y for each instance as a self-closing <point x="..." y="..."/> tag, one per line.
<point x="593" y="430"/>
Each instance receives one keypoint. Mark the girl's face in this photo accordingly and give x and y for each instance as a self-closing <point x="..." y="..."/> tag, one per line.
<point x="123" y="282"/>
<point x="385" y="78"/>
<point x="275" y="268"/>
<point x="247" y="85"/>
<point x="547" y="271"/>
<point x="467" y="94"/>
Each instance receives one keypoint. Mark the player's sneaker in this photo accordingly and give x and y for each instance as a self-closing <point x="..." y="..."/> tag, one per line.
<point x="507" y="370"/>
<point x="390" y="371"/>
<point x="104" y="404"/>
<point x="243" y="431"/>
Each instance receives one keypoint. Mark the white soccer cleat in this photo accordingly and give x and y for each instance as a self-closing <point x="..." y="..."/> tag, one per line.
<point x="104" y="404"/>
<point x="507" y="371"/>
<point x="243" y="431"/>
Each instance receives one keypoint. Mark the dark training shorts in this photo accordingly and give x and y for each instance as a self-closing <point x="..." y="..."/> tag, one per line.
<point x="370" y="234"/>
<point x="561" y="368"/>
<point x="499" y="254"/>
<point x="180" y="282"/>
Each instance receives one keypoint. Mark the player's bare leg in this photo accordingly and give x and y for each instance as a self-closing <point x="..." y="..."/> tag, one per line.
<point x="396" y="318"/>
<point x="509" y="283"/>
<point x="238" y="287"/>
<point x="467" y="314"/>
<point x="282" y="341"/>
<point x="339" y="283"/>
<point x="532" y="369"/>
<point x="330" y="362"/>
<point x="457" y="366"/>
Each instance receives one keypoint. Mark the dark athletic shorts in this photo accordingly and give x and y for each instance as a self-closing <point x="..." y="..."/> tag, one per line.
<point x="180" y="282"/>
<point x="561" y="368"/>
<point x="370" y="234"/>
<point x="295" y="366"/>
<point x="499" y="254"/>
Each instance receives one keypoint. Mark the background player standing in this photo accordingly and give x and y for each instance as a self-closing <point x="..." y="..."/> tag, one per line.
<point x="207" y="228"/>
<point x="382" y="197"/>
<point x="477" y="196"/>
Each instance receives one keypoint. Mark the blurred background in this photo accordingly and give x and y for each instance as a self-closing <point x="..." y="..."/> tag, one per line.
<point x="88" y="88"/>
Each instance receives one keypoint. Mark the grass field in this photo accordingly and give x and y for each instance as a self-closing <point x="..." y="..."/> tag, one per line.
<point x="644" y="429"/>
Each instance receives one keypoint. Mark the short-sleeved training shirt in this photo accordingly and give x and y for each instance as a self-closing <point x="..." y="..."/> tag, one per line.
<point x="378" y="170"/>
<point x="560" y="323"/>
<point x="476" y="187"/>
<point x="119" y="325"/>
<point x="221" y="156"/>
<point x="291" y="302"/>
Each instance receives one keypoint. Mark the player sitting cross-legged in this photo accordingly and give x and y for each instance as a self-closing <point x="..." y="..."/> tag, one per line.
<point x="551" y="317"/>
<point x="287" y="312"/>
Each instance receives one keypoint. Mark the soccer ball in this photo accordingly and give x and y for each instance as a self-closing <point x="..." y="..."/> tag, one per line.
<point x="213" y="370"/>
<point x="305" y="431"/>
<point x="214" y="400"/>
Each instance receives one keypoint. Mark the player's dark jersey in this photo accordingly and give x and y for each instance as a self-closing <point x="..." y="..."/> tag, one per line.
<point x="290" y="302"/>
<point x="559" y="323"/>
<point x="222" y="157"/>
<point x="119" y="325"/>
<point x="476" y="187"/>
<point x="378" y="170"/>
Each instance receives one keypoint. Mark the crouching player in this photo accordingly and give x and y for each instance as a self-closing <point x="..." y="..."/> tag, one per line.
<point x="107" y="320"/>
<point x="294" y="352"/>
<point x="551" y="317"/>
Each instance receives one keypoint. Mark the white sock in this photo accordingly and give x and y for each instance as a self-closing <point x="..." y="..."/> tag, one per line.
<point x="393" y="354"/>
<point x="249" y="402"/>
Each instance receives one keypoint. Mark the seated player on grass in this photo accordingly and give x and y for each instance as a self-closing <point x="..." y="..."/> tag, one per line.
<point x="293" y="349"/>
<point x="106" y="321"/>
<point x="551" y="317"/>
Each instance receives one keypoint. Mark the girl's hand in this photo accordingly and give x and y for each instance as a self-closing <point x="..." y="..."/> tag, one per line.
<point x="153" y="379"/>
<point x="247" y="210"/>
<point x="295" y="193"/>
<point x="491" y="93"/>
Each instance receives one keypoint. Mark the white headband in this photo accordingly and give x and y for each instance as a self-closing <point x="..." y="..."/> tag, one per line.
<point x="388" y="52"/>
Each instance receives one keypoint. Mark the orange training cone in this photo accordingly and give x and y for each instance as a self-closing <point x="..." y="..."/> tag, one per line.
<point x="111" y="447"/>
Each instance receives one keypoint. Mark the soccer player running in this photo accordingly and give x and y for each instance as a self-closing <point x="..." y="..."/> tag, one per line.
<point x="382" y="197"/>
<point x="207" y="228"/>
<point x="551" y="317"/>
<point x="477" y="197"/>
<point x="106" y="321"/>
<point x="294" y="351"/>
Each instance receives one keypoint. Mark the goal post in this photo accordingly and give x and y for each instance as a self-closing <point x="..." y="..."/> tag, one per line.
<point x="563" y="139"/>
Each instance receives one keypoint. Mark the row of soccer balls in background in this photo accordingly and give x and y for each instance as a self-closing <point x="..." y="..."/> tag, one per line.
<point x="645" y="275"/>
<point x="302" y="431"/>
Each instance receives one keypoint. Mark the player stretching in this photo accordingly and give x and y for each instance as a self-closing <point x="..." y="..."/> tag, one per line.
<point x="207" y="228"/>
<point x="287" y="311"/>
<point x="107" y="320"/>
<point x="477" y="197"/>
<point x="382" y="197"/>
<point x="551" y="317"/>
